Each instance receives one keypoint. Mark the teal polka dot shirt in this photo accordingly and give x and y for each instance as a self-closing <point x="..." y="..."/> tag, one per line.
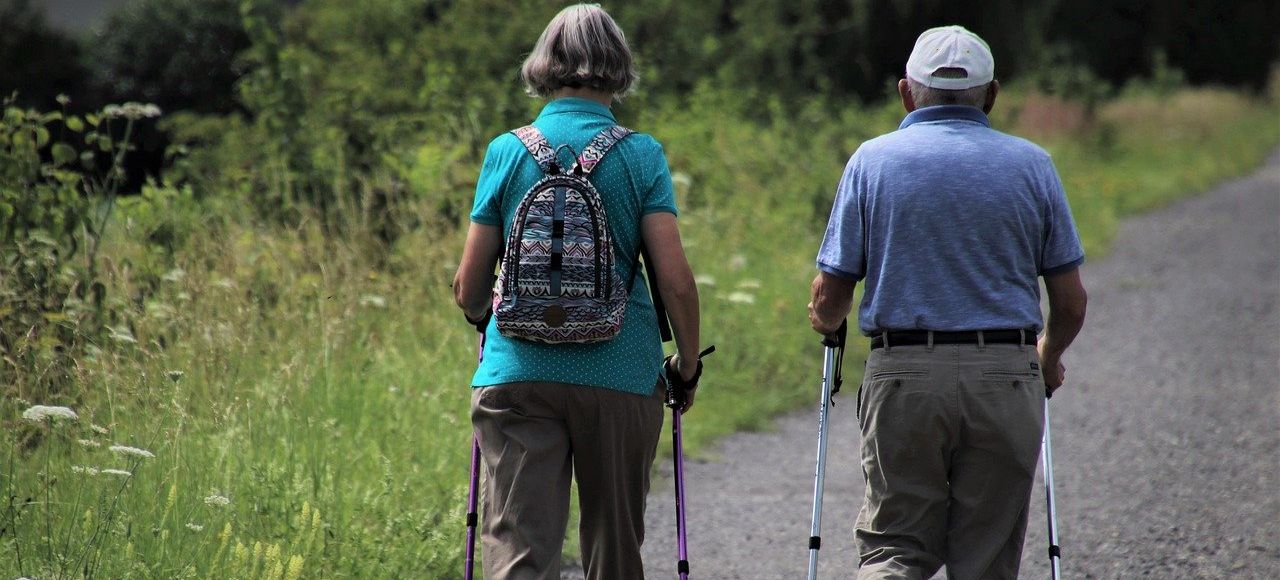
<point x="634" y="180"/>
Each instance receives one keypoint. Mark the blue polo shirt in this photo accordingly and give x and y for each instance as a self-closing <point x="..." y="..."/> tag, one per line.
<point x="950" y="223"/>
<point x="633" y="180"/>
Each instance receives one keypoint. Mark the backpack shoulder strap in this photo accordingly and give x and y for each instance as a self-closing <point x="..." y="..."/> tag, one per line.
<point x="598" y="147"/>
<point x="539" y="147"/>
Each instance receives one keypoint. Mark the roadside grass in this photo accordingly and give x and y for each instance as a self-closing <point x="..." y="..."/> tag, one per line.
<point x="1147" y="150"/>
<point x="321" y="392"/>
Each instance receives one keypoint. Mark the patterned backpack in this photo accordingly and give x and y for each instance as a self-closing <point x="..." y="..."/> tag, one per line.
<point x="557" y="283"/>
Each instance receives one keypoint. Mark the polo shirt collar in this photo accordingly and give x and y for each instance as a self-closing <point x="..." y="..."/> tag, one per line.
<point x="945" y="113"/>
<point x="576" y="105"/>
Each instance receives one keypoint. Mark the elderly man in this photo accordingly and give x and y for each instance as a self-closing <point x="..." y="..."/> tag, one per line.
<point x="950" y="223"/>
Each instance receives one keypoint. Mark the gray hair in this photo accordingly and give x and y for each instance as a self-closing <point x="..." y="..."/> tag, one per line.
<point x="929" y="96"/>
<point x="582" y="47"/>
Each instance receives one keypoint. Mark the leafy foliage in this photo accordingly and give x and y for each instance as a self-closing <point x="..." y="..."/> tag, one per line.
<point x="53" y="214"/>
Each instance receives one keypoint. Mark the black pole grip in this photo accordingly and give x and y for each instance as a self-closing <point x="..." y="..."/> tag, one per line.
<point x="837" y="338"/>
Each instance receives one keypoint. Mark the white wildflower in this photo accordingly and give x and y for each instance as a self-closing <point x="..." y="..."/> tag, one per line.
<point x="174" y="275"/>
<point x="195" y="527"/>
<point x="216" y="500"/>
<point x="373" y="300"/>
<point x="175" y="376"/>
<point x="705" y="280"/>
<point x="741" y="298"/>
<point x="98" y="429"/>
<point x="120" y="472"/>
<point x="84" y="469"/>
<point x="131" y="111"/>
<point x="41" y="412"/>
<point x="224" y="283"/>
<point x="738" y="262"/>
<point x="134" y="451"/>
<point x="749" y="284"/>
<point x="89" y="443"/>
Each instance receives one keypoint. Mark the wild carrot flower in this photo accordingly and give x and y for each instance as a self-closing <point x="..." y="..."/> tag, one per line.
<point x="704" y="280"/>
<point x="39" y="413"/>
<point x="174" y="376"/>
<point x="195" y="527"/>
<point x="133" y="451"/>
<point x="89" y="443"/>
<point x="120" y="472"/>
<point x="216" y="500"/>
<point x="133" y="111"/>
<point x="741" y="298"/>
<point x="98" y="429"/>
<point x="749" y="284"/>
<point x="84" y="469"/>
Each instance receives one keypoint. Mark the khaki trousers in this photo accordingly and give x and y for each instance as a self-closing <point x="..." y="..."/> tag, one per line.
<point x="533" y="436"/>
<point x="950" y="442"/>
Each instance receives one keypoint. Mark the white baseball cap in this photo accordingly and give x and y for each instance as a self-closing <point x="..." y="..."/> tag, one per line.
<point x="966" y="56"/>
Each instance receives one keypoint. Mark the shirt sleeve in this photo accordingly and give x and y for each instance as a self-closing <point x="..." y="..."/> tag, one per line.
<point x="661" y="196"/>
<point x="1061" y="250"/>
<point x="841" y="253"/>
<point x="487" y="207"/>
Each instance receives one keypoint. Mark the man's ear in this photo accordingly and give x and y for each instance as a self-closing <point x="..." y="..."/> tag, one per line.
<point x="992" y="90"/>
<point x="904" y="91"/>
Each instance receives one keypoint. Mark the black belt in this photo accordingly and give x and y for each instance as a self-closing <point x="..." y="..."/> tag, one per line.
<point x="917" y="337"/>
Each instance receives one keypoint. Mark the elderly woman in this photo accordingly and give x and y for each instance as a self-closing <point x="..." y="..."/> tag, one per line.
<point x="543" y="412"/>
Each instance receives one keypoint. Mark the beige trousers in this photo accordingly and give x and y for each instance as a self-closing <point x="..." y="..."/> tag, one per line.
<point x="533" y="438"/>
<point x="950" y="442"/>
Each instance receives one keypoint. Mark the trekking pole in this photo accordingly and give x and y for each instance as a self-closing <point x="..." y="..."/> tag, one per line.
<point x="472" y="496"/>
<point x="1055" y="555"/>
<point x="832" y="361"/>
<point x="675" y="400"/>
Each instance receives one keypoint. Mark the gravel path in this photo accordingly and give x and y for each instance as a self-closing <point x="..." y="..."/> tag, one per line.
<point x="1166" y="437"/>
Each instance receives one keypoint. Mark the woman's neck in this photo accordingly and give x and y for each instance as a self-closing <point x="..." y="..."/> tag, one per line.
<point x="598" y="96"/>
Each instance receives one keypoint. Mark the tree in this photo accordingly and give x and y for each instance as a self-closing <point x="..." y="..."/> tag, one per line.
<point x="36" y="61"/>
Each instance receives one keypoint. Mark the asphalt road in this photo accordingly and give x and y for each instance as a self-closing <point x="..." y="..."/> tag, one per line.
<point x="1166" y="437"/>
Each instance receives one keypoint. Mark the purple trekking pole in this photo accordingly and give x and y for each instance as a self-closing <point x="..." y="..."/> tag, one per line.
<point x="676" y="400"/>
<point x="473" y="518"/>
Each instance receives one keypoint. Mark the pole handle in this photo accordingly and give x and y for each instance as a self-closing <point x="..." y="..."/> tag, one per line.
<point x="837" y="339"/>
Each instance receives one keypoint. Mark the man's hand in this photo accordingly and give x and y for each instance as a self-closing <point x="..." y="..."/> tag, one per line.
<point x="832" y="299"/>
<point x="1052" y="368"/>
<point x="1067" y="304"/>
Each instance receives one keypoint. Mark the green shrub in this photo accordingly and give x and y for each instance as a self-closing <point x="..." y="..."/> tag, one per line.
<point x="54" y="210"/>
